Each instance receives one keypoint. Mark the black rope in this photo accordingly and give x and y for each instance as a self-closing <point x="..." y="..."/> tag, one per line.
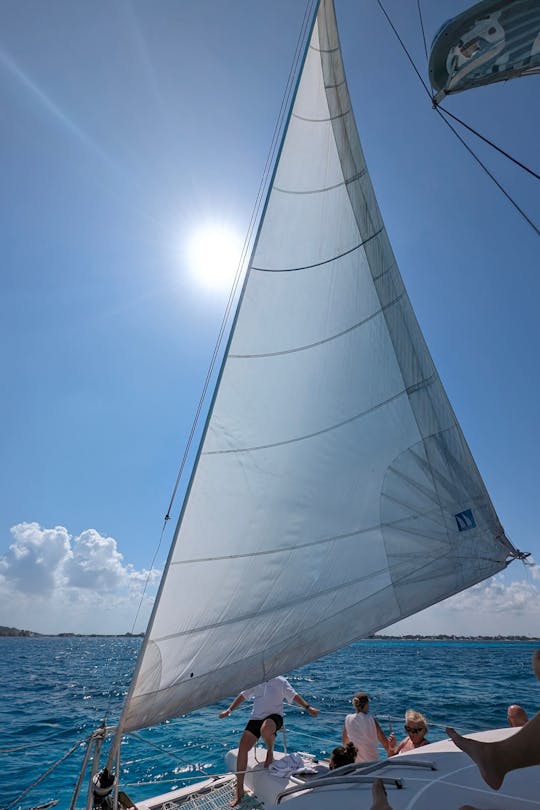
<point x="458" y="136"/>
<point x="487" y="171"/>
<point x="490" y="143"/>
<point x="423" y="32"/>
<point x="406" y="52"/>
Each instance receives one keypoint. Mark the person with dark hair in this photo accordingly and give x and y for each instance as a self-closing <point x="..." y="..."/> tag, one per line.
<point x="364" y="731"/>
<point x="265" y="721"/>
<point x="342" y="755"/>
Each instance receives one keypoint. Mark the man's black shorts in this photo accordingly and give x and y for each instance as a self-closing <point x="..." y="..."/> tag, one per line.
<point x="255" y="725"/>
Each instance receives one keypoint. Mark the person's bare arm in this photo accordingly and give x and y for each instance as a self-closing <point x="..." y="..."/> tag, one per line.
<point x="388" y="743"/>
<point x="236" y="702"/>
<point x="305" y="705"/>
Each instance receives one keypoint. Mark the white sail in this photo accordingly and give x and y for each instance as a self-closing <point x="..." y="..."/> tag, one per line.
<point x="334" y="493"/>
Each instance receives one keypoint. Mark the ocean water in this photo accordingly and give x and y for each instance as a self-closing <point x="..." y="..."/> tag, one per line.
<point x="56" y="691"/>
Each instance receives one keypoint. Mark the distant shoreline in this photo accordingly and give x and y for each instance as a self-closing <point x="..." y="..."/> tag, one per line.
<point x="14" y="632"/>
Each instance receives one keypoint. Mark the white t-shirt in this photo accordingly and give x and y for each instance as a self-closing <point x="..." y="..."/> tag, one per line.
<point x="362" y="731"/>
<point x="268" y="697"/>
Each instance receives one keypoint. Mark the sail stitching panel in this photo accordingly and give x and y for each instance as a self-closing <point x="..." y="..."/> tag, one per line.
<point x="301" y="599"/>
<point x="428" y="381"/>
<point x="350" y="606"/>
<point x="318" y="342"/>
<point x="298" y="600"/>
<point x="429" y="513"/>
<point x="319" y="264"/>
<point x="320" y="594"/>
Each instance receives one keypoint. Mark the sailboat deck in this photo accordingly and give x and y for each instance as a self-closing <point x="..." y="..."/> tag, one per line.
<point x="435" y="776"/>
<point x="446" y="779"/>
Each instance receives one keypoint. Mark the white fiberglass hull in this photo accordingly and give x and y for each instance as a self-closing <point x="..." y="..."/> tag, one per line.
<point x="455" y="782"/>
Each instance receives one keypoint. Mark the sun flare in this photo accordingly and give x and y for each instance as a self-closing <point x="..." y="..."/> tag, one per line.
<point x="213" y="256"/>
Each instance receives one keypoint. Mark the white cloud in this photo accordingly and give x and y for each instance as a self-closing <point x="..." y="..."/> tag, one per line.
<point x="95" y="563"/>
<point x="494" y="607"/>
<point x="53" y="582"/>
<point x="497" y="596"/>
<point x="34" y="559"/>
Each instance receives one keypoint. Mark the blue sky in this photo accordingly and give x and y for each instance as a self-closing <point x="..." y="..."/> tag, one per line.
<point x="127" y="126"/>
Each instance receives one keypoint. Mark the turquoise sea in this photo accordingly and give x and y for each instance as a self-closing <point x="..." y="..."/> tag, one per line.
<point x="56" y="691"/>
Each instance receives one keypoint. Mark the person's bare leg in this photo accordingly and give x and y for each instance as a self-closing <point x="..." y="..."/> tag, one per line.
<point x="496" y="759"/>
<point x="378" y="794"/>
<point x="247" y="741"/>
<point x="268" y="733"/>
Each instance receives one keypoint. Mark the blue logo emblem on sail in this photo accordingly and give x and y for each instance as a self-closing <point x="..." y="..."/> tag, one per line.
<point x="465" y="520"/>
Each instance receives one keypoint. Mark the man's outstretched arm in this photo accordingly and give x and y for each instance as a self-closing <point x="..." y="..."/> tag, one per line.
<point x="236" y="702"/>
<point x="305" y="705"/>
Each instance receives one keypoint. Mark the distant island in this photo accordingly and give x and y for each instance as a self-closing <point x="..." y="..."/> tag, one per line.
<point x="13" y="631"/>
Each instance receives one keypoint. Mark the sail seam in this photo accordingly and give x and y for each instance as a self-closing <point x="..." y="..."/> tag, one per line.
<point x="335" y="85"/>
<point x="323" y="50"/>
<point x="384" y="272"/>
<point x="342" y="184"/>
<point x="319" y="264"/>
<point x="323" y="120"/>
<point x="428" y="381"/>
<point x="320" y="342"/>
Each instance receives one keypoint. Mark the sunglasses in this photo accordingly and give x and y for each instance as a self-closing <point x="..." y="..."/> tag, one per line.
<point x="410" y="730"/>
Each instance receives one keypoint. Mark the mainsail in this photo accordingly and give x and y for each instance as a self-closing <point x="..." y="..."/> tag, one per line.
<point x="334" y="492"/>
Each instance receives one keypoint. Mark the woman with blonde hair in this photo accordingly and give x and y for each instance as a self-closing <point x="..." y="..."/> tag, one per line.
<point x="416" y="728"/>
<point x="364" y="731"/>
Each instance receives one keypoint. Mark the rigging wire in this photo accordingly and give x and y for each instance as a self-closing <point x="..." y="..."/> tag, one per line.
<point x="490" y="143"/>
<point x="42" y="777"/>
<point x="490" y="174"/>
<point x="198" y="769"/>
<point x="274" y="145"/>
<point x="422" y="27"/>
<point x="469" y="148"/>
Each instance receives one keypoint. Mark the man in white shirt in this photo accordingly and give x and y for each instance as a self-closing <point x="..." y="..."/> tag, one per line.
<point x="265" y="721"/>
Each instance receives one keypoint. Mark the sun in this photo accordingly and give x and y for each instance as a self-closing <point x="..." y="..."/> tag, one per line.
<point x="214" y="253"/>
